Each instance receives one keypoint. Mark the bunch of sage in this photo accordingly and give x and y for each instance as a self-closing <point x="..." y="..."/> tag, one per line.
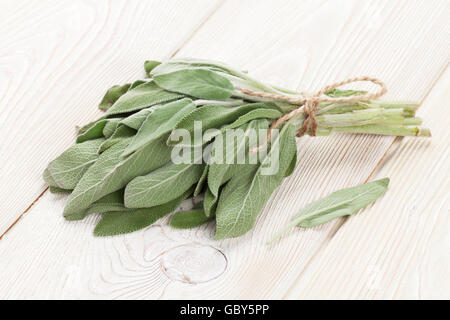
<point x="122" y="165"/>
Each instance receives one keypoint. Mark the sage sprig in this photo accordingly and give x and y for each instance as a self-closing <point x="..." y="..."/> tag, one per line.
<point x="122" y="164"/>
<point x="340" y="203"/>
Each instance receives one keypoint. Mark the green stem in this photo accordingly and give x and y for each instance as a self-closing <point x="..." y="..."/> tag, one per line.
<point x="386" y="130"/>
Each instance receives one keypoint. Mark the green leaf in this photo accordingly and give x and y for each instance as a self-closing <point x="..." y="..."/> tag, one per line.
<point x="121" y="133"/>
<point x="215" y="117"/>
<point x="199" y="83"/>
<point x="110" y="127"/>
<point x="111" y="173"/>
<point x="115" y="223"/>
<point x="149" y="65"/>
<point x="210" y="203"/>
<point x="340" y="203"/>
<point x="159" y="122"/>
<point x="161" y="185"/>
<point x="222" y="171"/>
<point x="57" y="190"/>
<point x="201" y="181"/>
<point x="111" y="96"/>
<point x="245" y="195"/>
<point x="115" y="92"/>
<point x="189" y="219"/>
<point x="109" y="203"/>
<point x="95" y="131"/>
<point x="66" y="170"/>
<point x="143" y="96"/>
<point x="262" y="113"/>
<point x="135" y="120"/>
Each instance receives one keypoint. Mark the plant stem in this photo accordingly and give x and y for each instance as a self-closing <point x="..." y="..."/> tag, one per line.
<point x="385" y="130"/>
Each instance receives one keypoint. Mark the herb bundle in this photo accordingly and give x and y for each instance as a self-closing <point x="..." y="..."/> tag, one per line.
<point x="122" y="164"/>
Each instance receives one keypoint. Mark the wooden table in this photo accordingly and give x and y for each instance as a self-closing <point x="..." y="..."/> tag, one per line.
<point x="57" y="58"/>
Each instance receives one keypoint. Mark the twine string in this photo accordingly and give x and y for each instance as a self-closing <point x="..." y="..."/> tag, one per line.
<point x="310" y="102"/>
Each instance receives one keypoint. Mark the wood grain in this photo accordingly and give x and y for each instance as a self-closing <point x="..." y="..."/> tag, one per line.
<point x="56" y="61"/>
<point x="297" y="44"/>
<point x="399" y="248"/>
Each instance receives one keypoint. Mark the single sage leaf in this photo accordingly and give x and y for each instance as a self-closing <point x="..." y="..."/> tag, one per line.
<point x="159" y="122"/>
<point x="111" y="96"/>
<point x="210" y="203"/>
<point x="57" y="190"/>
<point x="122" y="132"/>
<point x="149" y="65"/>
<point x="245" y="195"/>
<point x="161" y="185"/>
<point x="340" y="203"/>
<point x="143" y="96"/>
<point x="112" y="202"/>
<point x="189" y="219"/>
<point x="110" y="172"/>
<point x="66" y="170"/>
<point x="95" y="131"/>
<point x="199" y="83"/>
<point x="115" y="223"/>
<point x="201" y="182"/>
<point x="135" y="120"/>
<point x="110" y="127"/>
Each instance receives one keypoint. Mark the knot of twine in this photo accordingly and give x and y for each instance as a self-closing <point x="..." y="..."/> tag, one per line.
<point x="310" y="103"/>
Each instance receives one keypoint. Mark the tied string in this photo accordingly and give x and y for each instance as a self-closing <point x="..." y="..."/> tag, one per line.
<point x="310" y="103"/>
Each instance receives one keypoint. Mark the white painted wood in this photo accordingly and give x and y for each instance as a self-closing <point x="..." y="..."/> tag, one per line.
<point x="298" y="44"/>
<point x="399" y="248"/>
<point x="57" y="59"/>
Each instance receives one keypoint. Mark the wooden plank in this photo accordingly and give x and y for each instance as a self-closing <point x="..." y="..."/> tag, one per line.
<point x="399" y="248"/>
<point x="296" y="44"/>
<point x="56" y="61"/>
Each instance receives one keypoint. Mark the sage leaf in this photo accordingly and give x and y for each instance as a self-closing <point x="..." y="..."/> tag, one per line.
<point x="115" y="223"/>
<point x="135" y="120"/>
<point x="112" y="202"/>
<point x="95" y="131"/>
<point x="111" y="96"/>
<point x="260" y="113"/>
<point x="110" y="172"/>
<point x="143" y="96"/>
<point x="159" y="122"/>
<point x="149" y="65"/>
<point x="57" y="190"/>
<point x="340" y="203"/>
<point x="115" y="92"/>
<point x="121" y="133"/>
<point x="199" y="83"/>
<point x="189" y="219"/>
<point x="66" y="170"/>
<point x="210" y="203"/>
<point x="214" y="117"/>
<point x="201" y="182"/>
<point x="245" y="195"/>
<point x="222" y="171"/>
<point x="161" y="185"/>
<point x="110" y="127"/>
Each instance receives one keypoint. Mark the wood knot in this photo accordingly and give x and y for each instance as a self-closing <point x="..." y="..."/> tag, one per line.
<point x="193" y="263"/>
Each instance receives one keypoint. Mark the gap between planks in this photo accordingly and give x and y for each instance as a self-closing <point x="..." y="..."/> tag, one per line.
<point x="378" y="166"/>
<point x="171" y="55"/>
<point x="23" y="213"/>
